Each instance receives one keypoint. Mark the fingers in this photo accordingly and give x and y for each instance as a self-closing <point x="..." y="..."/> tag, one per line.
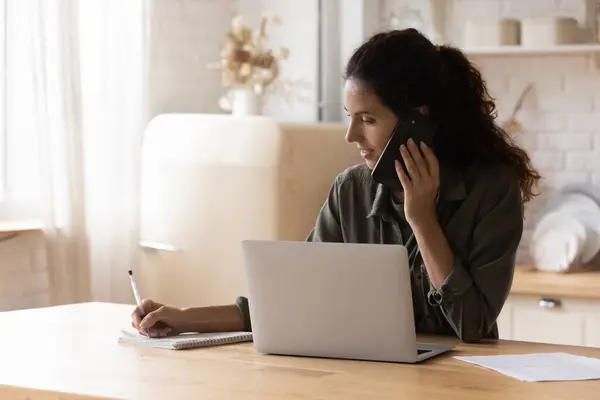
<point x="419" y="163"/>
<point x="411" y="167"/>
<point x="149" y="306"/>
<point x="152" y="318"/>
<point x="155" y="331"/>
<point x="149" y="321"/>
<point x="431" y="160"/>
<point x="136" y="316"/>
<point x="415" y="153"/>
<point x="404" y="179"/>
<point x="159" y="332"/>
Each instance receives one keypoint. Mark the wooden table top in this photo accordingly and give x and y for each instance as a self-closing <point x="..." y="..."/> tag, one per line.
<point x="71" y="352"/>
<point x="582" y="285"/>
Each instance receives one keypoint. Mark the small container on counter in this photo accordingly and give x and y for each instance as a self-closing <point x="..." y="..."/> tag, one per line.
<point x="505" y="32"/>
<point x="549" y="31"/>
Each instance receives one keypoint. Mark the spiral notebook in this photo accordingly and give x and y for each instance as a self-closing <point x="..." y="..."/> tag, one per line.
<point x="186" y="341"/>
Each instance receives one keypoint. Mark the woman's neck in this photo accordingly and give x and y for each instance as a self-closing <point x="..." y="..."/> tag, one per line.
<point x="398" y="196"/>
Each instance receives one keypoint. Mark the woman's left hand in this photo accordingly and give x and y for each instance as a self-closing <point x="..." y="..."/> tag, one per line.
<point x="420" y="185"/>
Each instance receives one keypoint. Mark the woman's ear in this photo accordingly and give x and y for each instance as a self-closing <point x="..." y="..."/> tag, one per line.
<point x="423" y="110"/>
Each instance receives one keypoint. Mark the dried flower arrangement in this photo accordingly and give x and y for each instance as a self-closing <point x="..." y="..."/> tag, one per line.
<point x="246" y="62"/>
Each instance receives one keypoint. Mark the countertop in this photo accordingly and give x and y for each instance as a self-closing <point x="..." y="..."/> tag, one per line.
<point x="583" y="285"/>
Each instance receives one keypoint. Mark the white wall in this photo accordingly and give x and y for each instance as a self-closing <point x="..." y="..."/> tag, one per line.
<point x="185" y="36"/>
<point x="561" y="119"/>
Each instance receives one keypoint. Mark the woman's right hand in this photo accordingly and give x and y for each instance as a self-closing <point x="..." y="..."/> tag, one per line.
<point x="159" y="320"/>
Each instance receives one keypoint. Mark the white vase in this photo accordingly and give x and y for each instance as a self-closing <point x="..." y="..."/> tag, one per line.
<point x="244" y="101"/>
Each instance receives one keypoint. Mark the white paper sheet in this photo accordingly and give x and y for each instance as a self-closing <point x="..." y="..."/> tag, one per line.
<point x="541" y="366"/>
<point x="185" y="340"/>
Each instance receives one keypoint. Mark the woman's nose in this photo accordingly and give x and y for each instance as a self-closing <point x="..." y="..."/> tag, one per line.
<point x="352" y="134"/>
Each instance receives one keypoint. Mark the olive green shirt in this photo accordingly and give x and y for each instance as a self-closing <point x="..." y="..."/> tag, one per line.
<point x="480" y="211"/>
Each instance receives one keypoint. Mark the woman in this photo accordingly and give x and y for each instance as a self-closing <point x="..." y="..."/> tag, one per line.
<point x="459" y="214"/>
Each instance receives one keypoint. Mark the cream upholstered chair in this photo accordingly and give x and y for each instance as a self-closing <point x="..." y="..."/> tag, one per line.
<point x="210" y="181"/>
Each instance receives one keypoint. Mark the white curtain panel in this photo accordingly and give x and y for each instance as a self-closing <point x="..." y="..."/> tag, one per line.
<point x="89" y="72"/>
<point x="113" y="57"/>
<point x="57" y="114"/>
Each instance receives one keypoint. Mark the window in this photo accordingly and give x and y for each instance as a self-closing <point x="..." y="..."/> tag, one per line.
<point x="19" y="174"/>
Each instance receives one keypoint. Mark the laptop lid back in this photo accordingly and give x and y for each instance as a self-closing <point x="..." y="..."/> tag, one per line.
<point x="335" y="300"/>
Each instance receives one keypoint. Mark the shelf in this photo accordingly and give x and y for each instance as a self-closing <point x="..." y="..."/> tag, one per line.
<point x="582" y="49"/>
<point x="14" y="227"/>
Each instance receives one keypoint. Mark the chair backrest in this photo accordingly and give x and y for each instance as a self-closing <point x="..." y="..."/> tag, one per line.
<point x="211" y="181"/>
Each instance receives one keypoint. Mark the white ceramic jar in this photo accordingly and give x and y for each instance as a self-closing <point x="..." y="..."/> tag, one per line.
<point x="504" y="32"/>
<point x="549" y="31"/>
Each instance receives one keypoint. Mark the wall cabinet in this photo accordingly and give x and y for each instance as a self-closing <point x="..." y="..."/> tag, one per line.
<point x="551" y="319"/>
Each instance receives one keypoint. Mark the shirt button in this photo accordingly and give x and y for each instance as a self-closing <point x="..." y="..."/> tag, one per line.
<point x="434" y="299"/>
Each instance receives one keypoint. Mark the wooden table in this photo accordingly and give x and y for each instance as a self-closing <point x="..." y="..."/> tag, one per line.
<point x="71" y="352"/>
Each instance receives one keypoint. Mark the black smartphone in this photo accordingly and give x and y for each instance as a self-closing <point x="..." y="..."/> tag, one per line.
<point x="413" y="125"/>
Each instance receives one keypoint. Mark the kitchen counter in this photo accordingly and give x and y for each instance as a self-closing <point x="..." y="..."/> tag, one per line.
<point x="582" y="285"/>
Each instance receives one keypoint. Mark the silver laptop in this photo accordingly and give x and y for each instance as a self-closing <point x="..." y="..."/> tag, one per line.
<point x="333" y="300"/>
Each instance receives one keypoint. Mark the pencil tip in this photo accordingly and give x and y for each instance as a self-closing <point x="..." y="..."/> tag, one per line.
<point x="130" y="272"/>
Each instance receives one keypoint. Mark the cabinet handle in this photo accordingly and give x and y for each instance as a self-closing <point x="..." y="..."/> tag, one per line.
<point x="158" y="246"/>
<point x="549" y="303"/>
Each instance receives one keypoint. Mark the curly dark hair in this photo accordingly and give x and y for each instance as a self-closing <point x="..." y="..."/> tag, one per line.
<point x="405" y="70"/>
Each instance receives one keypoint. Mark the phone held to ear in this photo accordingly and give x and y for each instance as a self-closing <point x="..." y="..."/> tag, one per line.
<point x="411" y="125"/>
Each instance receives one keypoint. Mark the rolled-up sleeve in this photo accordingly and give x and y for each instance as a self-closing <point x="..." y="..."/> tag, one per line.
<point x="327" y="226"/>
<point x="476" y="289"/>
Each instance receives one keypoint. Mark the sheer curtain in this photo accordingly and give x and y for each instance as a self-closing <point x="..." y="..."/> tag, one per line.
<point x="89" y="72"/>
<point x="114" y="91"/>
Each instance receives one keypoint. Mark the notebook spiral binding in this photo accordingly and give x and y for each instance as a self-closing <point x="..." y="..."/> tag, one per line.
<point x="190" y="344"/>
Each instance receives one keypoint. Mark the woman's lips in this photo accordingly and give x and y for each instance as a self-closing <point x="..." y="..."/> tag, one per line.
<point x="365" y="153"/>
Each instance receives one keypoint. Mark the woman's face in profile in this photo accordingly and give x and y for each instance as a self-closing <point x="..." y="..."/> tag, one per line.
<point x="371" y="123"/>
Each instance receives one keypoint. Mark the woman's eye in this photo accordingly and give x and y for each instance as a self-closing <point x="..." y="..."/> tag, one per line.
<point x="368" y="120"/>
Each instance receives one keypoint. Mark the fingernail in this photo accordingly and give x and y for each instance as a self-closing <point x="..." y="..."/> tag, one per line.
<point x="423" y="145"/>
<point x="402" y="148"/>
<point x="411" y="141"/>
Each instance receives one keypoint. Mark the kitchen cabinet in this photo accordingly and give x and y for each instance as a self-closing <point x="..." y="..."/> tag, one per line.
<point x="553" y="308"/>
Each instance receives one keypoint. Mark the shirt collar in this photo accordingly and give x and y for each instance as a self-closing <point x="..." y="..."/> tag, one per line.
<point x="452" y="188"/>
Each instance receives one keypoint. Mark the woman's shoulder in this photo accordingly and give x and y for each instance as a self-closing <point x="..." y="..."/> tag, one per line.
<point x="493" y="174"/>
<point x="492" y="179"/>
<point x="356" y="182"/>
<point x="357" y="174"/>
